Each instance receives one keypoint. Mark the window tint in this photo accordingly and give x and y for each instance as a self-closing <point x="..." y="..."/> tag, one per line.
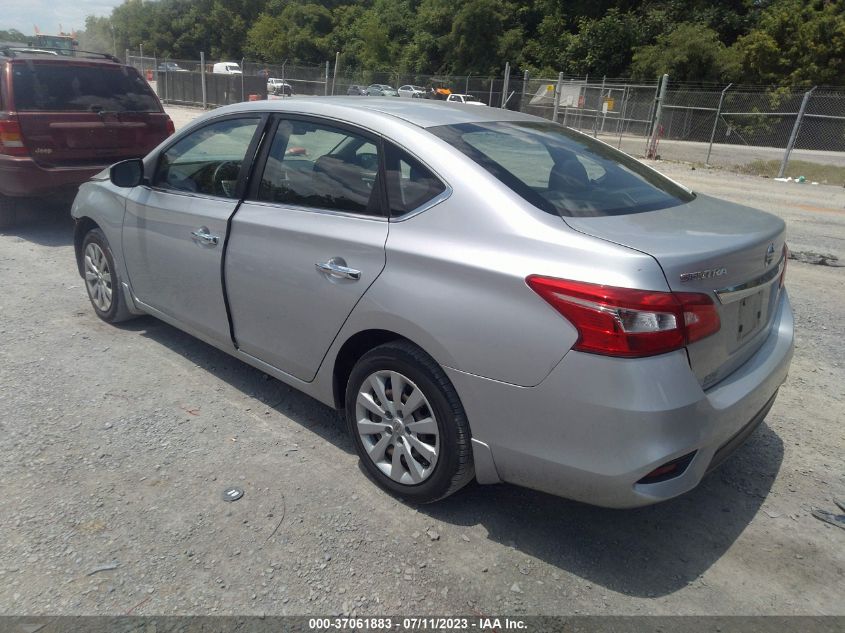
<point x="67" y="87"/>
<point x="409" y="183"/>
<point x="316" y="165"/>
<point x="207" y="161"/>
<point x="561" y="171"/>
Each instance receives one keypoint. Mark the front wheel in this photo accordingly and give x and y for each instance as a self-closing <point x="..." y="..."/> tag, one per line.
<point x="102" y="280"/>
<point x="408" y="424"/>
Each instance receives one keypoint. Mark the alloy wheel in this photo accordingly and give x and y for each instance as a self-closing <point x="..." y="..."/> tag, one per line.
<point x="397" y="427"/>
<point x="98" y="277"/>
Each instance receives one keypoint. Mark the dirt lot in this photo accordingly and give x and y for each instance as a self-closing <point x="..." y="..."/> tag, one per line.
<point x="118" y="442"/>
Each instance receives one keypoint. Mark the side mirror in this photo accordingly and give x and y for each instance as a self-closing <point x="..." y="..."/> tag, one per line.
<point x="127" y="173"/>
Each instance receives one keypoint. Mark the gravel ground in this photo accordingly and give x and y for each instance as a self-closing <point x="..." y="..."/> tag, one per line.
<point x="119" y="441"/>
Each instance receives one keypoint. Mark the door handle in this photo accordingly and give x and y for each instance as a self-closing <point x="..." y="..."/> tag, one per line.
<point x="334" y="268"/>
<point x="203" y="236"/>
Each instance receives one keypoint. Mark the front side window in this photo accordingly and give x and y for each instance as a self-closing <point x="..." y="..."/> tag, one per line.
<point x="410" y="184"/>
<point x="561" y="171"/>
<point x="321" y="166"/>
<point x="207" y="161"/>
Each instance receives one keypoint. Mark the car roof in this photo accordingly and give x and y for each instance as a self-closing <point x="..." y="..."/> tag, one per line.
<point x="60" y="59"/>
<point x="420" y="112"/>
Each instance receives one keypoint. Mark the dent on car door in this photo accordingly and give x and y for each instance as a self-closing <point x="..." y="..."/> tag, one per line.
<point x="175" y="228"/>
<point x="306" y="243"/>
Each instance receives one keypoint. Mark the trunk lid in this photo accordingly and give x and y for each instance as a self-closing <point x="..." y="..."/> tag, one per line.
<point x="731" y="252"/>
<point x="74" y="114"/>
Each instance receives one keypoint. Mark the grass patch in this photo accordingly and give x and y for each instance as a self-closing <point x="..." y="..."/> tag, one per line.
<point x="818" y="172"/>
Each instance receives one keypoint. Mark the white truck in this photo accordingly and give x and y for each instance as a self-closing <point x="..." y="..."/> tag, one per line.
<point x="227" y="68"/>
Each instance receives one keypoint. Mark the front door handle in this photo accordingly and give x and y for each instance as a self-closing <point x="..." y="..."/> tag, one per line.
<point x="336" y="267"/>
<point x="202" y="236"/>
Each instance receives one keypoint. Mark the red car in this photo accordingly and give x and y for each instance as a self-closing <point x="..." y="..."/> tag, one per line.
<point x="64" y="118"/>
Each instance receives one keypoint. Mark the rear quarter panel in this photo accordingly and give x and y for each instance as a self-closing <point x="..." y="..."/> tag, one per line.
<point x="454" y="280"/>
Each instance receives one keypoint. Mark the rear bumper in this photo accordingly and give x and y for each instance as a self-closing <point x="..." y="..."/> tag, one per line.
<point x="23" y="177"/>
<point x="597" y="425"/>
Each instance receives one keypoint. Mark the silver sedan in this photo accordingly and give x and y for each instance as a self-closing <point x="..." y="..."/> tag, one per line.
<point x="485" y="294"/>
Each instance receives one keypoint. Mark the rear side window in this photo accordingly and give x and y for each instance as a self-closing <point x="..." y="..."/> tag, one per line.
<point x="561" y="171"/>
<point x="321" y="166"/>
<point x="63" y="87"/>
<point x="410" y="184"/>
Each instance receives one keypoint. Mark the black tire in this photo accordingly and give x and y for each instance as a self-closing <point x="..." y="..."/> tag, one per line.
<point x="117" y="310"/>
<point x="454" y="467"/>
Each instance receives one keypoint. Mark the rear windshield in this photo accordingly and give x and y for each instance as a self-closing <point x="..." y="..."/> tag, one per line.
<point x="68" y="87"/>
<point x="561" y="171"/>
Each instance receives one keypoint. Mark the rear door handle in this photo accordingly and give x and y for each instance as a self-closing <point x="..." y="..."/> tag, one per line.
<point x="202" y="236"/>
<point x="335" y="267"/>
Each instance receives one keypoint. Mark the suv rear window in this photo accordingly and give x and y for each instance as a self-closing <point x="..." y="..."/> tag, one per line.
<point x="68" y="87"/>
<point x="561" y="171"/>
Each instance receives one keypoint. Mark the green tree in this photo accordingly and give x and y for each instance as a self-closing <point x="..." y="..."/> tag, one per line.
<point x="294" y="31"/>
<point x="471" y="41"/>
<point x="690" y="52"/>
<point x="796" y="44"/>
<point x="604" y="46"/>
<point x="13" y="35"/>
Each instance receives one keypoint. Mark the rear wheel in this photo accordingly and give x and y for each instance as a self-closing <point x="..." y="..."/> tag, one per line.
<point x="408" y="424"/>
<point x="102" y="280"/>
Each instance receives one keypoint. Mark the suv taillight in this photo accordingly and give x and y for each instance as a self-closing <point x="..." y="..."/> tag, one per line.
<point x="629" y="323"/>
<point x="171" y="128"/>
<point x="11" y="140"/>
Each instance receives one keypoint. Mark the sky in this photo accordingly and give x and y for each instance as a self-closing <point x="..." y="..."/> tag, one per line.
<point x="23" y="15"/>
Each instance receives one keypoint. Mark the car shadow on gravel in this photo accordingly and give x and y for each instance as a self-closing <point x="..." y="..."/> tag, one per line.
<point x="268" y="392"/>
<point x="47" y="224"/>
<point x="643" y="552"/>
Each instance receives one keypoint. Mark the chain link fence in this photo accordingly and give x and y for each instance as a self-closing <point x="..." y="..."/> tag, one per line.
<point x="757" y="129"/>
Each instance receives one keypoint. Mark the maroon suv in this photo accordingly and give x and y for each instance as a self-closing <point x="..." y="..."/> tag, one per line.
<point x="64" y="118"/>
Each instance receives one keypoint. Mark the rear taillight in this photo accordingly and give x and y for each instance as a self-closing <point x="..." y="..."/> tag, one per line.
<point x="11" y="140"/>
<point x="629" y="323"/>
<point x="171" y="128"/>
<point x="785" y="259"/>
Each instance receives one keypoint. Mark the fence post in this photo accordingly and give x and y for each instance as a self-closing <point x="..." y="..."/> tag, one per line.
<point x="490" y="98"/>
<point x="202" y="81"/>
<point x="621" y="120"/>
<point x="326" y="85"/>
<point x="651" y="150"/>
<point x="505" y="85"/>
<point x="127" y="56"/>
<point x="794" y="135"/>
<point x="599" y="105"/>
<point x="525" y="78"/>
<point x="334" y="76"/>
<point x="243" y="72"/>
<point x="558" y="89"/>
<point x="716" y="123"/>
